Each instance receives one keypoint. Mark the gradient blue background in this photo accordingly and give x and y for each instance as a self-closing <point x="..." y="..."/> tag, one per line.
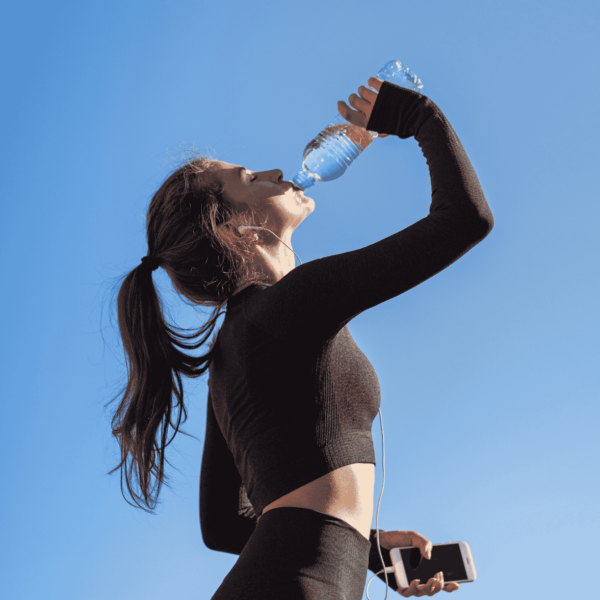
<point x="488" y="371"/>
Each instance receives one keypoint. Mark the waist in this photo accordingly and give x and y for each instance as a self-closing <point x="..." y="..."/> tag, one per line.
<point x="346" y="493"/>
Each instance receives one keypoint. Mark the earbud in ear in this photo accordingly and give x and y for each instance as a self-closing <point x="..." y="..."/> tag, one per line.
<point x="247" y="227"/>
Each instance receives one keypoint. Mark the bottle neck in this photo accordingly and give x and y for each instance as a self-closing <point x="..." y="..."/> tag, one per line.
<point x="304" y="179"/>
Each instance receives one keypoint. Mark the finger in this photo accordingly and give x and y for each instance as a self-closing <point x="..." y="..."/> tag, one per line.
<point x="359" y="103"/>
<point x="436" y="584"/>
<point x="424" y="545"/>
<point x="411" y="590"/>
<point x="375" y="83"/>
<point x="426" y="549"/>
<point x="343" y="109"/>
<point x="422" y="591"/>
<point x="451" y="587"/>
<point x="369" y="95"/>
<point x="397" y="539"/>
<point x="352" y="116"/>
<point x="426" y="589"/>
<point x="429" y="588"/>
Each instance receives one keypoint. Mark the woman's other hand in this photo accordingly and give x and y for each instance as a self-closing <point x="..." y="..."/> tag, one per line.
<point x="399" y="539"/>
<point x="363" y="105"/>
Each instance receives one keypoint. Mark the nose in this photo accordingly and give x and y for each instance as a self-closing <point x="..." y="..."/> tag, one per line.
<point x="277" y="175"/>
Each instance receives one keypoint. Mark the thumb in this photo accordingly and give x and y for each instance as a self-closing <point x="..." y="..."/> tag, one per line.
<point x="426" y="548"/>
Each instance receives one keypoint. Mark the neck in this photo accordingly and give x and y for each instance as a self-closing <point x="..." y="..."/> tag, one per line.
<point x="274" y="259"/>
<point x="277" y="259"/>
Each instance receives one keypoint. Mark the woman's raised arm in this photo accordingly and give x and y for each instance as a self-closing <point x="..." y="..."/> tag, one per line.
<point x="317" y="298"/>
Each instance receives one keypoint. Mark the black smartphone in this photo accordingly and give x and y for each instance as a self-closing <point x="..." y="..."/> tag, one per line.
<point x="452" y="558"/>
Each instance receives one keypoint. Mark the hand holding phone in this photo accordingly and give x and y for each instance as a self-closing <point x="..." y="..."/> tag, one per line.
<point x="417" y="544"/>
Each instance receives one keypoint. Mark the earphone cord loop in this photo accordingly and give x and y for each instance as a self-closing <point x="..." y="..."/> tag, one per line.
<point x="252" y="227"/>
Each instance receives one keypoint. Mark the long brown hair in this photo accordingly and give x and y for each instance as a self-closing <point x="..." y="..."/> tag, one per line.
<point x="192" y="229"/>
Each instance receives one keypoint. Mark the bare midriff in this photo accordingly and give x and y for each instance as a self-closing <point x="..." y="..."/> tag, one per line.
<point x="346" y="493"/>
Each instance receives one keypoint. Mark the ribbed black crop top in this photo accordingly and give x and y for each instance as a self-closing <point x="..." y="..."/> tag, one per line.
<point x="291" y="396"/>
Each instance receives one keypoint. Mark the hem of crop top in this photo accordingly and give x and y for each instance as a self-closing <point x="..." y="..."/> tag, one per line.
<point x="355" y="447"/>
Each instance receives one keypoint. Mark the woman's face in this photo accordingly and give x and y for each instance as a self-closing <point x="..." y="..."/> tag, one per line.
<point x="283" y="206"/>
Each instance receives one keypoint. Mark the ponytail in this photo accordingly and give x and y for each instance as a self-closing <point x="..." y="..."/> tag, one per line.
<point x="192" y="233"/>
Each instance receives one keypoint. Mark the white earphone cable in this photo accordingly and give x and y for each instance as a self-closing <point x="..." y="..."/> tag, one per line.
<point x="252" y="227"/>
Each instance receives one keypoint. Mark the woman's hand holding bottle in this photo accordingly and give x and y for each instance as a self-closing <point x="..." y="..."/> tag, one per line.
<point x="328" y="154"/>
<point x="363" y="105"/>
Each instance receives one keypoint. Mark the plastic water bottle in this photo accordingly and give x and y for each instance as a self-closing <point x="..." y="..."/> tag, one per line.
<point x="329" y="154"/>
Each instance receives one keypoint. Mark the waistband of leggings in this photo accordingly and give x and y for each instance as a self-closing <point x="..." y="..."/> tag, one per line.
<point x="313" y="516"/>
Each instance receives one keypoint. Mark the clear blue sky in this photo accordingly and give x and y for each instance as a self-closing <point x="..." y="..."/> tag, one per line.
<point x="488" y="371"/>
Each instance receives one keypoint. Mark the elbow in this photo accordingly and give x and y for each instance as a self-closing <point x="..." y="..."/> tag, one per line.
<point x="212" y="544"/>
<point x="484" y="230"/>
<point x="487" y="219"/>
<point x="480" y="217"/>
<point x="489" y="226"/>
<point x="474" y="223"/>
<point x="484" y="224"/>
<point x="208" y="537"/>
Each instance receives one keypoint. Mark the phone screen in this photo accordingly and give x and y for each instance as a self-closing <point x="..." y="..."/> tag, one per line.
<point x="446" y="558"/>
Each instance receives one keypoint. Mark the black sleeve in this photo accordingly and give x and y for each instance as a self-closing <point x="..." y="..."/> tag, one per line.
<point x="222" y="498"/>
<point x="318" y="297"/>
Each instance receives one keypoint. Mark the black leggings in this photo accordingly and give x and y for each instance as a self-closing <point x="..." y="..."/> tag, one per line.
<point x="299" y="554"/>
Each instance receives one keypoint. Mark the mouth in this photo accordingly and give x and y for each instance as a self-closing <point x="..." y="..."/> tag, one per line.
<point x="295" y="187"/>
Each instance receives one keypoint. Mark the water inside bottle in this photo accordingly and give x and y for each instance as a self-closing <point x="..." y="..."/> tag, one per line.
<point x="328" y="155"/>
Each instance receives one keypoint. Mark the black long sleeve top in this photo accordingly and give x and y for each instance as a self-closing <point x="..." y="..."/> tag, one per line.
<point x="291" y="396"/>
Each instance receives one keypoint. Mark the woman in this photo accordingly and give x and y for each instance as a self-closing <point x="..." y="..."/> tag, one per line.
<point x="291" y="397"/>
